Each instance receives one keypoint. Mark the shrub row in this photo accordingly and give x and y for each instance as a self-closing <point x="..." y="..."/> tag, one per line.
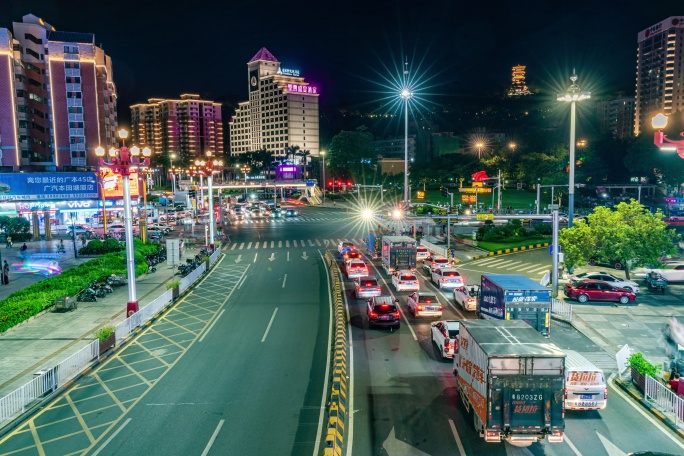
<point x="510" y="231"/>
<point x="23" y="304"/>
<point x="98" y="247"/>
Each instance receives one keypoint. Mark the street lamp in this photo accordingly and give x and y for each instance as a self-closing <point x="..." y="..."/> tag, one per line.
<point x="572" y="95"/>
<point x="323" y="155"/>
<point x="207" y="167"/>
<point x="245" y="169"/>
<point x="173" y="176"/>
<point x="479" y="147"/>
<point x="126" y="161"/>
<point x="406" y="94"/>
<point x="659" y="122"/>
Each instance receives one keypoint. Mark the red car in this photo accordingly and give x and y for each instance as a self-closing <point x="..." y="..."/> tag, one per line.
<point x="594" y="290"/>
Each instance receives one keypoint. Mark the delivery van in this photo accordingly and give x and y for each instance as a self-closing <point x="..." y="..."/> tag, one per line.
<point x="585" y="384"/>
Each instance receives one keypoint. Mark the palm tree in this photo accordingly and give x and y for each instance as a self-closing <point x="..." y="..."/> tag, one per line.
<point x="292" y="150"/>
<point x="305" y="154"/>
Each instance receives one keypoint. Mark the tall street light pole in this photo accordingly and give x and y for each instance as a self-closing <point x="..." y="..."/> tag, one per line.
<point x="406" y="94"/>
<point x="207" y="167"/>
<point x="173" y="176"/>
<point x="126" y="161"/>
<point x="572" y="95"/>
<point x="323" y="156"/>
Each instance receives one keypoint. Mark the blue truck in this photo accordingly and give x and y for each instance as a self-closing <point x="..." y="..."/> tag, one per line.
<point x="374" y="242"/>
<point x="515" y="297"/>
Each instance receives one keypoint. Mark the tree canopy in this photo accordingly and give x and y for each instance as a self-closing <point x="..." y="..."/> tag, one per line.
<point x="351" y="154"/>
<point x="630" y="234"/>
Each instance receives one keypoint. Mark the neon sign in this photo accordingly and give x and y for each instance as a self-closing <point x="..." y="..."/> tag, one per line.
<point x="302" y="88"/>
<point x="288" y="72"/>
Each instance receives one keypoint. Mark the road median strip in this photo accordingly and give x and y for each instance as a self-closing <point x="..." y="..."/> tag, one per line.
<point x="511" y="250"/>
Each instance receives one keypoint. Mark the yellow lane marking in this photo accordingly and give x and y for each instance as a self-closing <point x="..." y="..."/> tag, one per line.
<point x="154" y="331"/>
<point x="136" y="373"/>
<point x="90" y="412"/>
<point x="109" y="392"/>
<point x="34" y="433"/>
<point x="182" y="327"/>
<point x="80" y="419"/>
<point x="191" y="316"/>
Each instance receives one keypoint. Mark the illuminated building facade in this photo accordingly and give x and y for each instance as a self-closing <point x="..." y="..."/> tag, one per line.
<point x="518" y="87"/>
<point x="282" y="110"/>
<point x="188" y="127"/>
<point x="660" y="55"/>
<point x="57" y="98"/>
<point x="616" y="117"/>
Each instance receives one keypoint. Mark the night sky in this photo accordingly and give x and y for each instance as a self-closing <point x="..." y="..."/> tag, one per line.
<point x="165" y="48"/>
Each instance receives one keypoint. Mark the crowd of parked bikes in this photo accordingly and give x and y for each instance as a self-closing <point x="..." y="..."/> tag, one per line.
<point x="193" y="263"/>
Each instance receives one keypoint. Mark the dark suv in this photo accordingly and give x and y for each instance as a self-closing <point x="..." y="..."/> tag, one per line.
<point x="382" y="311"/>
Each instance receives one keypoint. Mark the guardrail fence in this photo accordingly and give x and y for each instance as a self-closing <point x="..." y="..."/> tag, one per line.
<point x="666" y="400"/>
<point x="49" y="379"/>
<point x="561" y="309"/>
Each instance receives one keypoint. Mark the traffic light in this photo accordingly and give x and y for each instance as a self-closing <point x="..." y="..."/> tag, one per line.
<point x="445" y="191"/>
<point x="192" y="193"/>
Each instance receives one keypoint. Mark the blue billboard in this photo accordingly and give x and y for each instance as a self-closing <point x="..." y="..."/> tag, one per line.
<point x="47" y="186"/>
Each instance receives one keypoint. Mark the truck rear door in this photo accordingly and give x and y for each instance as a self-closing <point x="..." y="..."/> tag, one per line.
<point x="536" y="316"/>
<point x="526" y="403"/>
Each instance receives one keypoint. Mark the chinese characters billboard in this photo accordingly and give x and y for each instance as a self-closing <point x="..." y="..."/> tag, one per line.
<point x="113" y="184"/>
<point x="47" y="186"/>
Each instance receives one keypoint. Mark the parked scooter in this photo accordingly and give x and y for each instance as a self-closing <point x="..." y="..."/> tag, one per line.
<point x="86" y="295"/>
<point x="115" y="280"/>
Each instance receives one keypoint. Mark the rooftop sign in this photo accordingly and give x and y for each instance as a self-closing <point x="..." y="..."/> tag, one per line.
<point x="288" y="72"/>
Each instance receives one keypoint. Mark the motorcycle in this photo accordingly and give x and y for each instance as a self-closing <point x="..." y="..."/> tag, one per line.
<point x="115" y="280"/>
<point x="98" y="289"/>
<point x="86" y="295"/>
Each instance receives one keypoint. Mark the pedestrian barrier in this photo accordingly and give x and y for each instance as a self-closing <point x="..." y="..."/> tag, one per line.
<point x="127" y="326"/>
<point x="189" y="279"/>
<point x="337" y="409"/>
<point x="665" y="400"/>
<point x="436" y="249"/>
<point x="214" y="257"/>
<point x="561" y="309"/>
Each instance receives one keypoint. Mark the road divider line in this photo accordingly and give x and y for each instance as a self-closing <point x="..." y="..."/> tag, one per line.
<point x="211" y="325"/>
<point x="571" y="445"/>
<point x="268" y="328"/>
<point x="284" y="279"/>
<point x="459" y="444"/>
<point x="111" y="437"/>
<point x="255" y="257"/>
<point x="210" y="443"/>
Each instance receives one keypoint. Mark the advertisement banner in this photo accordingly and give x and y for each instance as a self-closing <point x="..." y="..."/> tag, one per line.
<point x="47" y="186"/>
<point x="113" y="184"/>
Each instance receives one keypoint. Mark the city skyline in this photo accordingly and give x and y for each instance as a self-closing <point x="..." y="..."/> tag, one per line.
<point x="462" y="49"/>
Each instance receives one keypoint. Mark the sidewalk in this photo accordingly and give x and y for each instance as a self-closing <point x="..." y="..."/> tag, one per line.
<point x="49" y="338"/>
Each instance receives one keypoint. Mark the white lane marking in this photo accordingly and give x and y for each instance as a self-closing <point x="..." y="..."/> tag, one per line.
<point x="284" y="279"/>
<point x="242" y="244"/>
<point x="256" y="245"/>
<point x="295" y="243"/>
<point x="243" y="278"/>
<point x="288" y="256"/>
<point x="233" y="247"/>
<point x="111" y="437"/>
<point x="268" y="328"/>
<point x="272" y="244"/>
<point x="461" y="450"/>
<point x="211" y="325"/>
<point x="266" y="244"/>
<point x="643" y="413"/>
<point x="280" y="244"/>
<point x="255" y="257"/>
<point x="350" y="427"/>
<point x="533" y="266"/>
<point x="213" y="438"/>
<point x="249" y="246"/>
<point x="287" y="244"/>
<point x="311" y="244"/>
<point x="321" y="415"/>
<point x="318" y="243"/>
<point x="572" y="445"/>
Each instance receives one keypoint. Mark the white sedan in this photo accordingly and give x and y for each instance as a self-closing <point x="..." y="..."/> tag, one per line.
<point x="447" y="278"/>
<point x="445" y="336"/>
<point x="356" y="269"/>
<point x="424" y="303"/>
<point x="466" y="297"/>
<point x="431" y="263"/>
<point x="609" y="278"/>
<point x="405" y="280"/>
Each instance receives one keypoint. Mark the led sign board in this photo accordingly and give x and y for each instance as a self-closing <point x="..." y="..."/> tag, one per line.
<point x="302" y="89"/>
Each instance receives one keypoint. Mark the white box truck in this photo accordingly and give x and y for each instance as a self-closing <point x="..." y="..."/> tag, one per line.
<point x="512" y="379"/>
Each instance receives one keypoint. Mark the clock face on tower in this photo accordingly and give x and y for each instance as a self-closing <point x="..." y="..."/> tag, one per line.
<point x="253" y="81"/>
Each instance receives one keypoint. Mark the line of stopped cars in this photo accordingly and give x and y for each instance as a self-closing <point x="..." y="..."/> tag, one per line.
<point x="384" y="311"/>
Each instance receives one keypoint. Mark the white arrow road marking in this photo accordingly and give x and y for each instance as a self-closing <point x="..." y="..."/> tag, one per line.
<point x="516" y="451"/>
<point x="284" y="279"/>
<point x="304" y="257"/>
<point x="610" y="447"/>
<point x="238" y="259"/>
<point x="272" y="257"/>
<point x="394" y="446"/>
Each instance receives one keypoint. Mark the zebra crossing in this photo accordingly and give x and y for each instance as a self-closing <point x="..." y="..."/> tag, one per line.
<point x="512" y="265"/>
<point x="286" y="220"/>
<point x="292" y="243"/>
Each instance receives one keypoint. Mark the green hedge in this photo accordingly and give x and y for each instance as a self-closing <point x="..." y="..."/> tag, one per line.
<point x="23" y="304"/>
<point x="98" y="247"/>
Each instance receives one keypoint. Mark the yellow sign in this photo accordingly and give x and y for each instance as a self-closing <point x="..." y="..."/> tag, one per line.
<point x="113" y="184"/>
<point x="468" y="198"/>
<point x="421" y="195"/>
<point x="484" y="216"/>
<point x="478" y="184"/>
<point x="475" y="190"/>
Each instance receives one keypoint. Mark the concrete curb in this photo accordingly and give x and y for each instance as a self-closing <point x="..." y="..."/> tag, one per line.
<point x="513" y="250"/>
<point x="655" y="412"/>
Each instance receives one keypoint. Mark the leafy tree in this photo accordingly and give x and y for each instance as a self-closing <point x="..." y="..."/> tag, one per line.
<point x="351" y="155"/>
<point x="630" y="234"/>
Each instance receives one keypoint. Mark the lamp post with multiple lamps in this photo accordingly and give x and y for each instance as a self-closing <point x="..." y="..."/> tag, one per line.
<point x="572" y="95"/>
<point x="126" y="161"/>
<point x="173" y="176"/>
<point x="245" y="169"/>
<point x="659" y="122"/>
<point x="207" y="168"/>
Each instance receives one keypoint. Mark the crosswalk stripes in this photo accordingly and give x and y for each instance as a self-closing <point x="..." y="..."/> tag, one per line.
<point x="318" y="242"/>
<point x="233" y="247"/>
<point x="294" y="242"/>
<point x="256" y="245"/>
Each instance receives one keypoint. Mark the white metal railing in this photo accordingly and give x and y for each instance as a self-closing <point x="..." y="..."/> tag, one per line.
<point x="214" y="256"/>
<point x="75" y="363"/>
<point x="561" y="309"/>
<point x="190" y="278"/>
<point x="665" y="399"/>
<point x="127" y="326"/>
<point x="436" y="249"/>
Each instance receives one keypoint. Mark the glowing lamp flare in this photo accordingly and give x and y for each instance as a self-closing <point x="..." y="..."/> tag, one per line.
<point x="367" y="214"/>
<point x="659" y="121"/>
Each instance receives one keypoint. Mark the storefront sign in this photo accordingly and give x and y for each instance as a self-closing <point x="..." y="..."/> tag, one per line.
<point x="47" y="186"/>
<point x="113" y="184"/>
<point x="287" y="72"/>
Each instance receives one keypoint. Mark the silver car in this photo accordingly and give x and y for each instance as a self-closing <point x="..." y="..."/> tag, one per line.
<point x="366" y="287"/>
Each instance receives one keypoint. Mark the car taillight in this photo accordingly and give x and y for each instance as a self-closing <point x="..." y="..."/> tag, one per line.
<point x="447" y="344"/>
<point x="565" y="391"/>
<point x="373" y="315"/>
<point x="419" y="307"/>
<point x="605" y="393"/>
<point x="471" y="300"/>
<point x="440" y="308"/>
<point x="444" y="279"/>
<point x="396" y="314"/>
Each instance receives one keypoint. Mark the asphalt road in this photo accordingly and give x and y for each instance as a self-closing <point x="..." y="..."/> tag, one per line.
<point x="239" y="367"/>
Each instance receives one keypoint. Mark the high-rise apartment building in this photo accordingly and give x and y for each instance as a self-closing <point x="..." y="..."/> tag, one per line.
<point x="659" y="76"/>
<point x="282" y="110"/>
<point x="518" y="87"/>
<point x="188" y="127"/>
<point x="57" y="98"/>
<point x="616" y="117"/>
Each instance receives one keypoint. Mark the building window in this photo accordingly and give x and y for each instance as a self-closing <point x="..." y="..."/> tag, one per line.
<point x="32" y="38"/>
<point x="32" y="53"/>
<point x="71" y="49"/>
